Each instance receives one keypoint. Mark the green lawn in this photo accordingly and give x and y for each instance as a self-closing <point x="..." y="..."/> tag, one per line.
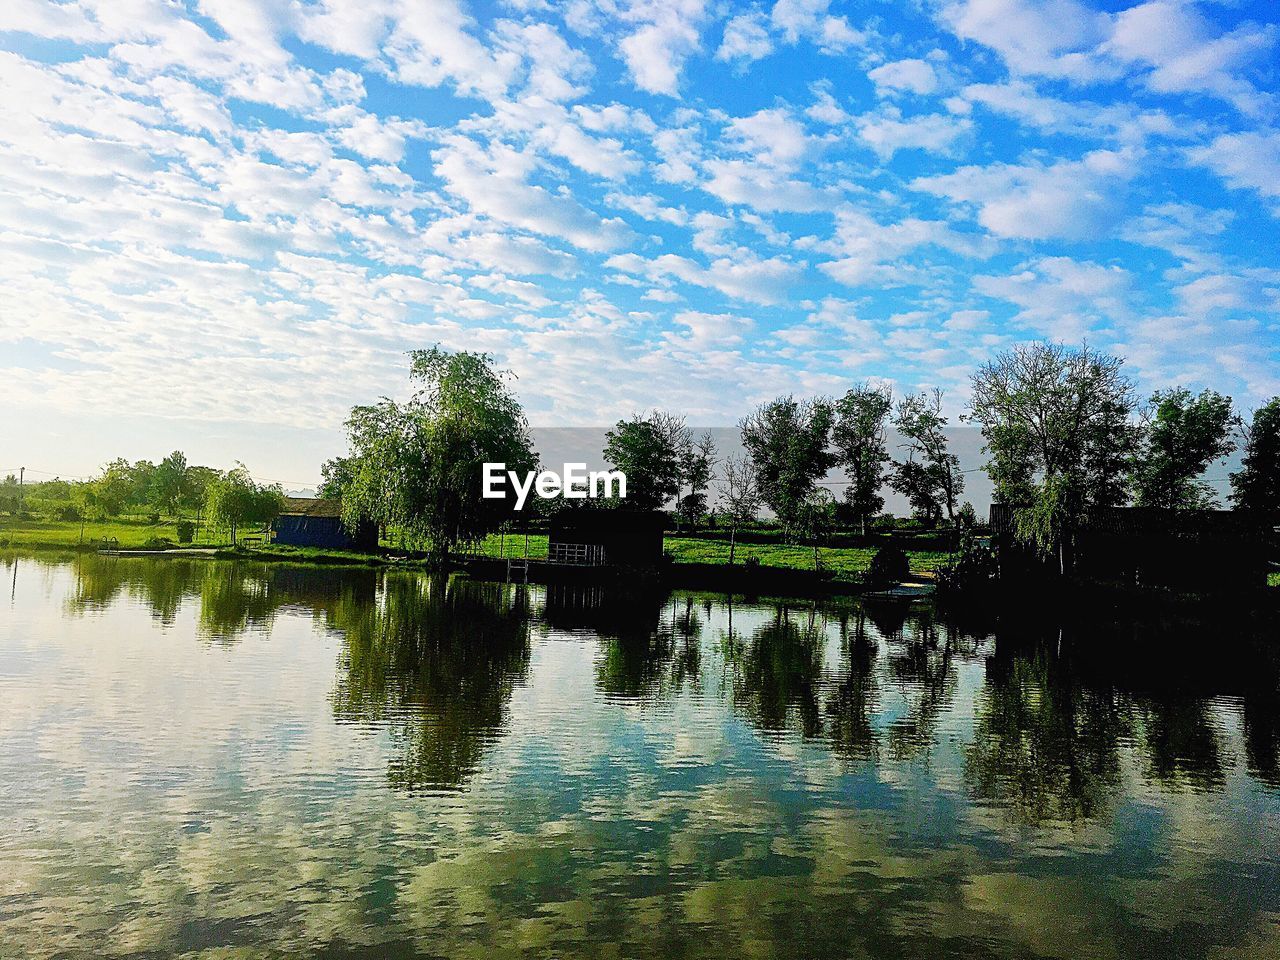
<point x="845" y="561"/>
<point x="130" y="532"/>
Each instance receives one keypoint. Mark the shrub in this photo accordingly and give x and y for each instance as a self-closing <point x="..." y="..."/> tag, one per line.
<point x="186" y="531"/>
<point x="158" y="543"/>
<point x="889" y="565"/>
<point x="153" y="519"/>
<point x="68" y="513"/>
<point x="974" y="570"/>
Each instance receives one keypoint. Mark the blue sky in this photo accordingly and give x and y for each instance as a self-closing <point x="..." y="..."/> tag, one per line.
<point x="224" y="221"/>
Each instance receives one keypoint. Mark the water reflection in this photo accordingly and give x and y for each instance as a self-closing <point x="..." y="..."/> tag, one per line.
<point x="234" y="759"/>
<point x="436" y="660"/>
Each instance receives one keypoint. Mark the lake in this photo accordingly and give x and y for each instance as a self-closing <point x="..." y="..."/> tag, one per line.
<point x="225" y="760"/>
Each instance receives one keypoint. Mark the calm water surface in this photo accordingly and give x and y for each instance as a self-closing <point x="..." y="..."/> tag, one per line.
<point x="220" y="760"/>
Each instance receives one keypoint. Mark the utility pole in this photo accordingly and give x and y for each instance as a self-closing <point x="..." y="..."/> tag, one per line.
<point x="22" y="473"/>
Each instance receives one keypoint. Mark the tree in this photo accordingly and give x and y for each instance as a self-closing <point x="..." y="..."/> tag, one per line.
<point x="696" y="473"/>
<point x="1047" y="410"/>
<point x="196" y="485"/>
<point x="234" y="500"/>
<point x="1184" y="433"/>
<point x="1057" y="422"/>
<point x="930" y="477"/>
<point x="817" y="519"/>
<point x="787" y="442"/>
<point x="169" y="482"/>
<point x="141" y="481"/>
<point x="336" y="475"/>
<point x="417" y="466"/>
<point x="858" y="436"/>
<point x="1256" y="486"/>
<point x="652" y="452"/>
<point x="113" y="488"/>
<point x="740" y="495"/>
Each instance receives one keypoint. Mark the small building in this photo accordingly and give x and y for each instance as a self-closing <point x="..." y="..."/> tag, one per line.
<point x="1192" y="550"/>
<point x="606" y="537"/>
<point x="311" y="522"/>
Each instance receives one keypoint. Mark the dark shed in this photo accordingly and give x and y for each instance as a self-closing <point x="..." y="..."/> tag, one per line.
<point x="308" y="522"/>
<point x="621" y="538"/>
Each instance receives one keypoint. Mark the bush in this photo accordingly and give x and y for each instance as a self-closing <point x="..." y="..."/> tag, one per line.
<point x="158" y="543"/>
<point x="186" y="531"/>
<point x="68" y="513"/>
<point x="889" y="565"/>
<point x="974" y="570"/>
<point x="153" y="519"/>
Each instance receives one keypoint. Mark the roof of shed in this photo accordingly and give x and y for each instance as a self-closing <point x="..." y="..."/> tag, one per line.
<point x="311" y="507"/>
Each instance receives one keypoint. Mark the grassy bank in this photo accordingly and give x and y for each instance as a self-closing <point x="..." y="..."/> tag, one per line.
<point x="131" y="533"/>
<point x="845" y="562"/>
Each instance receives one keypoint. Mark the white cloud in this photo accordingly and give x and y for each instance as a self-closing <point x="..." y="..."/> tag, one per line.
<point x="745" y="278"/>
<point x="1073" y="200"/>
<point x="656" y="51"/>
<point x="493" y="183"/>
<point x="811" y="20"/>
<point x="913" y="76"/>
<point x="1246" y="161"/>
<point x="746" y="38"/>
<point x="1166" y="45"/>
<point x="887" y="133"/>
<point x="868" y="252"/>
<point x="1062" y="298"/>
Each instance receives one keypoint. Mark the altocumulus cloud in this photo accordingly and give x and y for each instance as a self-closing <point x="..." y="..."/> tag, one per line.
<point x="629" y="202"/>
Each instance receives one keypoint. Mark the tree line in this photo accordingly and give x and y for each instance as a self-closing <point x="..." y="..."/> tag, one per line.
<point x="174" y="488"/>
<point x="1063" y="430"/>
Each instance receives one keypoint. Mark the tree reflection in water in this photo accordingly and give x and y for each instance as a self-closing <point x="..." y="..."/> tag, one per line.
<point x="433" y="660"/>
<point x="1051" y="718"/>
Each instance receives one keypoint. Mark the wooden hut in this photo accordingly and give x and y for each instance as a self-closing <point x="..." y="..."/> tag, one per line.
<point x="310" y="522"/>
<point x="617" y="538"/>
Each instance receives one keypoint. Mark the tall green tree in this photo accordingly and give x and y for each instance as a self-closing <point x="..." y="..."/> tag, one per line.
<point x="1047" y="410"/>
<point x="1256" y="486"/>
<point x="234" y="500"/>
<point x="858" y="436"/>
<point x="417" y="466"/>
<point x="930" y="477"/>
<point x="1184" y="433"/>
<point x="336" y="475"/>
<point x="169" y="482"/>
<point x="113" y="488"/>
<point x="652" y="450"/>
<point x="1059" y="431"/>
<point x="696" y="472"/>
<point x="787" y="441"/>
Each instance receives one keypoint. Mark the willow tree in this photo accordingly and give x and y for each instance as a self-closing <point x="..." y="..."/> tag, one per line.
<point x="416" y="466"/>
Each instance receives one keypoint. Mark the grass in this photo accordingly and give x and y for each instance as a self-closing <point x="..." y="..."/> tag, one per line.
<point x="844" y="561"/>
<point x="130" y="532"/>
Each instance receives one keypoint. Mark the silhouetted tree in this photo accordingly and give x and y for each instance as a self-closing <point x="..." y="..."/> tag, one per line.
<point x="1256" y="486"/>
